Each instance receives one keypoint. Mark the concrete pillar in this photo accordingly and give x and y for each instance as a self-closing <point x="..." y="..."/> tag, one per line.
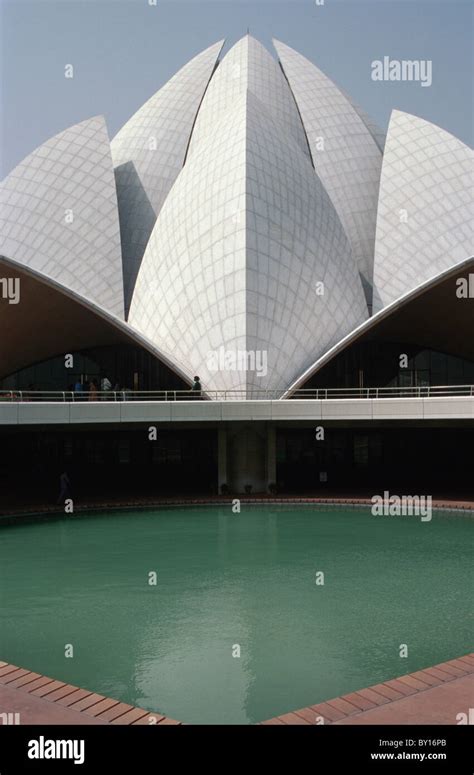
<point x="271" y="456"/>
<point x="221" y="458"/>
<point x="246" y="465"/>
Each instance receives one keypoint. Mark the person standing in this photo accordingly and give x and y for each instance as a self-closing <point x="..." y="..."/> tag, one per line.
<point x="106" y="387"/>
<point x="196" y="388"/>
<point x="78" y="389"/>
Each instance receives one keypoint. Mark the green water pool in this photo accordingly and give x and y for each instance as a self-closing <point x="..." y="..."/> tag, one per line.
<point x="226" y="580"/>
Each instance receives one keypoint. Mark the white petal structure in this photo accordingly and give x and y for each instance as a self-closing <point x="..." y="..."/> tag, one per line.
<point x="247" y="256"/>
<point x="374" y="129"/>
<point x="425" y="221"/>
<point x="302" y="284"/>
<point x="249" y="67"/>
<point x="190" y="291"/>
<point x="149" y="151"/>
<point x="237" y="222"/>
<point x="59" y="214"/>
<point x="346" y="149"/>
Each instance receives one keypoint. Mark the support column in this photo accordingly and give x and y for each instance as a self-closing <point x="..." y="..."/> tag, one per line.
<point x="271" y="455"/>
<point x="221" y="458"/>
<point x="246" y="464"/>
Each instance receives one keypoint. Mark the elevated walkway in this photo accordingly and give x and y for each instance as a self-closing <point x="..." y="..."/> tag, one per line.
<point x="348" y="404"/>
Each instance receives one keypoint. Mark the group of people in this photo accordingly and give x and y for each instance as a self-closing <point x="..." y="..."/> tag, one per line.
<point x="89" y="391"/>
<point x="93" y="391"/>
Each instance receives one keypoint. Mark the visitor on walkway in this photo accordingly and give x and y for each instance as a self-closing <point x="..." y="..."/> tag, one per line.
<point x="106" y="387"/>
<point x="92" y="390"/>
<point x="78" y="390"/>
<point x="196" y="388"/>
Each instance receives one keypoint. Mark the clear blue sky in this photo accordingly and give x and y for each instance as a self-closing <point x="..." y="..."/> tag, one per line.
<point x="124" y="50"/>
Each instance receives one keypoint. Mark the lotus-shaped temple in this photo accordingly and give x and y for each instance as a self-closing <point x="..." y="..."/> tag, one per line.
<point x="249" y="213"/>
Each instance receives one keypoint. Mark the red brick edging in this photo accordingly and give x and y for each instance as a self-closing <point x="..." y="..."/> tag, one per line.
<point x="354" y="705"/>
<point x="91" y="706"/>
<point x="80" y="706"/>
<point x="216" y="500"/>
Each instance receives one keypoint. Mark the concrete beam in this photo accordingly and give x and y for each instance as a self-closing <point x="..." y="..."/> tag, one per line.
<point x="123" y="412"/>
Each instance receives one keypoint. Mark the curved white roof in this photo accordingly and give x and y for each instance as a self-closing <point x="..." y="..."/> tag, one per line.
<point x="241" y="235"/>
<point x="379" y="317"/>
<point x="350" y="161"/>
<point x="236" y="254"/>
<point x="248" y="67"/>
<point x="44" y="324"/>
<point x="190" y="291"/>
<point x="377" y="134"/>
<point x="149" y="151"/>
<point x="68" y="177"/>
<point x="425" y="221"/>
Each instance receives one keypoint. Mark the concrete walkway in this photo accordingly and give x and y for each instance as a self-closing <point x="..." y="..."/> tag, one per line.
<point x="339" y="409"/>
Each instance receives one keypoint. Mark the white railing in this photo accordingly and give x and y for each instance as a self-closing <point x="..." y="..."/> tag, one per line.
<point x="315" y="394"/>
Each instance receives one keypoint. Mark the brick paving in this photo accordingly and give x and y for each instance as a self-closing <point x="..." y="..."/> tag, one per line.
<point x="42" y="700"/>
<point x="434" y="695"/>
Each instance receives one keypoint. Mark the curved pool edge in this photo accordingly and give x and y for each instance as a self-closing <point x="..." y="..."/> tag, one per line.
<point x="14" y="515"/>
